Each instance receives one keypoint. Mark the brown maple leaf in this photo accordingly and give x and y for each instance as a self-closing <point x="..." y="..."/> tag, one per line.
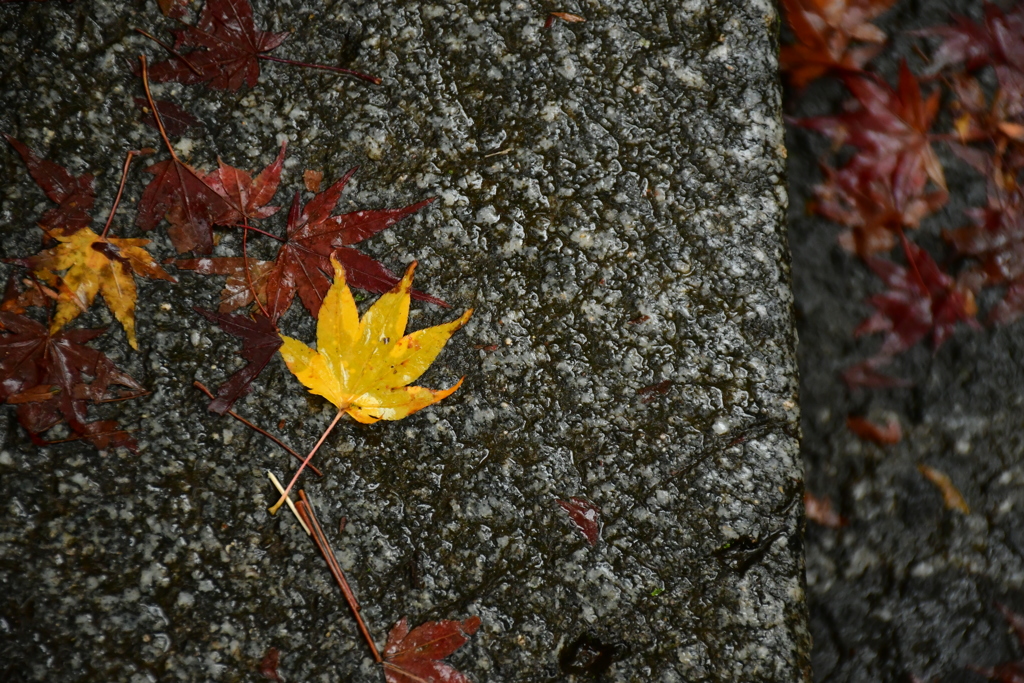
<point x="415" y="657"/>
<point x="73" y="194"/>
<point x="227" y="49"/>
<point x="890" y="129"/>
<point x="825" y="31"/>
<point x="45" y="374"/>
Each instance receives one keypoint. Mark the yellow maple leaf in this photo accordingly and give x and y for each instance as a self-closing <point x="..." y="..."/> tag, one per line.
<point x="95" y="265"/>
<point x="364" y="366"/>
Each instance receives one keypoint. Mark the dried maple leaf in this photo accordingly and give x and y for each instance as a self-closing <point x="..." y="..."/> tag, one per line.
<point x="95" y="265"/>
<point x="951" y="496"/>
<point x="825" y="31"/>
<point x="173" y="8"/>
<point x="260" y="341"/>
<point x="175" y="119"/>
<point x="74" y="194"/>
<point x="44" y="373"/>
<point x="364" y="365"/>
<point x="868" y="374"/>
<point x="302" y="265"/>
<point x="890" y="129"/>
<point x="415" y="657"/>
<point x="921" y="300"/>
<point x="977" y="120"/>
<point x="867" y="430"/>
<point x="246" y="197"/>
<point x="227" y="49"/>
<point x="269" y="664"/>
<point x="585" y="516"/>
<point x="871" y="208"/>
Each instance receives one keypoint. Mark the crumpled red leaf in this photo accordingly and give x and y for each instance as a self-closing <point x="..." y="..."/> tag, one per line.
<point x="415" y="657"/>
<point x="825" y="31"/>
<point x="260" y="341"/>
<point x="890" y="130"/>
<point x="73" y="194"/>
<point x="585" y="516"/>
<point x="46" y="376"/>
<point x="921" y="300"/>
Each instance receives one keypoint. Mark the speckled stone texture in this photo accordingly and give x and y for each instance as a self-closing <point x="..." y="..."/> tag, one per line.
<point x="610" y="203"/>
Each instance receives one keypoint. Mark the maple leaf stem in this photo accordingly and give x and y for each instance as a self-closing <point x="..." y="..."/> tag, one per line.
<point x="201" y="387"/>
<point x="336" y="69"/>
<point x="248" y="274"/>
<point x="120" y="190"/>
<point x="152" y="105"/>
<point x="246" y="226"/>
<point x="323" y="437"/>
<point x="190" y="65"/>
<point x="305" y="509"/>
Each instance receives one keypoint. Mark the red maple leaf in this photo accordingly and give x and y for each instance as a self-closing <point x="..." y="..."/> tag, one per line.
<point x="996" y="240"/>
<point x="44" y="374"/>
<point x="889" y="128"/>
<point x="415" y="657"/>
<point x="227" y="49"/>
<point x="73" y="194"/>
<point x="246" y="198"/>
<point x="303" y="262"/>
<point x="260" y="341"/>
<point x="585" y="516"/>
<point x="178" y="193"/>
<point x="921" y="300"/>
<point x="977" y="120"/>
<point x="999" y="40"/>
<point x="871" y="208"/>
<point x="825" y="31"/>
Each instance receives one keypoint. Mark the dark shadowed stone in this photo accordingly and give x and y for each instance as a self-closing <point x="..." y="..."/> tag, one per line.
<point x="610" y="203"/>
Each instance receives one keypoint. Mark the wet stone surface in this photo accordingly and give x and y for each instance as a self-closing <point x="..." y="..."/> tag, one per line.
<point x="610" y="203"/>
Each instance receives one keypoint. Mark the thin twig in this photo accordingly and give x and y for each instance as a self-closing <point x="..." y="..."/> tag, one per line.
<point x="201" y="387"/>
<point x="305" y="509"/>
<point x="190" y="65"/>
<point x="323" y="437"/>
<point x="120" y="190"/>
<point x="291" y="505"/>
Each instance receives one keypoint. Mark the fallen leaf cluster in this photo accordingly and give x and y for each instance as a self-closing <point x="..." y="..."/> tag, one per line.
<point x="885" y="179"/>
<point x="892" y="179"/>
<point x="363" y="364"/>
